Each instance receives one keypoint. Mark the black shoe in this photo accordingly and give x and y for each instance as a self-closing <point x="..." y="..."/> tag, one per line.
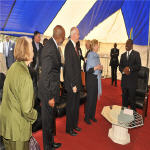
<point x="94" y="120"/>
<point x="72" y="133"/>
<point x="87" y="121"/>
<point x="56" y="145"/>
<point x="77" y="129"/>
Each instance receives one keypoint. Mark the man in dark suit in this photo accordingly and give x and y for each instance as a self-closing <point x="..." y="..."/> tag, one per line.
<point x="37" y="49"/>
<point x="130" y="64"/>
<point x="114" y="63"/>
<point x="49" y="86"/>
<point x="35" y="68"/>
<point x="72" y="79"/>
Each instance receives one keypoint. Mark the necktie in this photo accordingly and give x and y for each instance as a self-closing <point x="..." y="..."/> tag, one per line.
<point x="76" y="51"/>
<point x="127" y="55"/>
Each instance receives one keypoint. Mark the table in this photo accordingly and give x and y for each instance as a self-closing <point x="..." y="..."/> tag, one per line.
<point x="121" y="119"/>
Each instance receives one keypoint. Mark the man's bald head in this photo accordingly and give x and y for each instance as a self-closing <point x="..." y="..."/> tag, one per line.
<point x="74" y="34"/>
<point x="59" y="34"/>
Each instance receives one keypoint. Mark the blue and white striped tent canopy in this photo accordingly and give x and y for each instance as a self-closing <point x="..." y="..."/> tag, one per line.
<point x="106" y="20"/>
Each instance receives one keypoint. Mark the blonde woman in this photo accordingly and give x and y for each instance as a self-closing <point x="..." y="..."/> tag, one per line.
<point x="93" y="82"/>
<point x="17" y="114"/>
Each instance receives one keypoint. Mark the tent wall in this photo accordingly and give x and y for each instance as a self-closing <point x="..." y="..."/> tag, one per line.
<point x="104" y="51"/>
<point x="70" y="15"/>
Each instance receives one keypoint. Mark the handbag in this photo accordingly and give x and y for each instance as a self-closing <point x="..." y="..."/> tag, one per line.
<point x="33" y="144"/>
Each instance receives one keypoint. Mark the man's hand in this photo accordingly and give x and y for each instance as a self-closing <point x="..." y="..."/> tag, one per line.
<point x="51" y="102"/>
<point x="74" y="89"/>
<point x="126" y="70"/>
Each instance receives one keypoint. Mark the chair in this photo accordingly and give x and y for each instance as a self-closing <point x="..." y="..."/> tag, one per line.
<point x="142" y="90"/>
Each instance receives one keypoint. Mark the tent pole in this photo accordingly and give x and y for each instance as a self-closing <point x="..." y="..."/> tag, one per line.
<point x="148" y="47"/>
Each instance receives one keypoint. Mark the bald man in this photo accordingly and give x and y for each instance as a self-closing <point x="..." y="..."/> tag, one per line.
<point x="72" y="79"/>
<point x="130" y="64"/>
<point x="49" y="86"/>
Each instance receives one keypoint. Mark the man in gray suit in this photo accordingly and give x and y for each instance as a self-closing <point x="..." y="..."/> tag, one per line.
<point x="8" y="51"/>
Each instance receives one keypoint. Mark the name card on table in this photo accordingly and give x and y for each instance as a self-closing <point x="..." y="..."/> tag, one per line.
<point x="128" y="112"/>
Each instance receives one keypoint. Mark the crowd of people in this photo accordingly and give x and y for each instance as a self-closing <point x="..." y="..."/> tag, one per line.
<point x="17" y="111"/>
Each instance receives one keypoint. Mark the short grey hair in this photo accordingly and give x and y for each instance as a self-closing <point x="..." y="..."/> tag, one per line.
<point x="73" y="30"/>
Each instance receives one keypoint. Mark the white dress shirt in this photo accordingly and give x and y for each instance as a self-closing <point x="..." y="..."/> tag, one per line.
<point x="6" y="46"/>
<point x="55" y="42"/>
<point x="74" y="44"/>
<point x="128" y="53"/>
<point x="37" y="45"/>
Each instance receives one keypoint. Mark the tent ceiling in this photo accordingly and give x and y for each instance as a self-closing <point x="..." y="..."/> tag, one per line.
<point x="70" y="15"/>
<point x="112" y="29"/>
<point x="98" y="13"/>
<point x="90" y="16"/>
<point x="5" y="8"/>
<point x="28" y="16"/>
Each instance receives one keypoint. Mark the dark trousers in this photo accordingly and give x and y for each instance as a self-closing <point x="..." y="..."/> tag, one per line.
<point x="128" y="97"/>
<point x="48" y="126"/>
<point x="114" y="74"/>
<point x="92" y="92"/>
<point x="72" y="110"/>
<point x="7" y="63"/>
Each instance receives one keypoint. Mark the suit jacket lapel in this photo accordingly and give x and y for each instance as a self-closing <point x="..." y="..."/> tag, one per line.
<point x="34" y="46"/>
<point x="57" y="51"/>
<point x="74" y="50"/>
<point x="126" y="57"/>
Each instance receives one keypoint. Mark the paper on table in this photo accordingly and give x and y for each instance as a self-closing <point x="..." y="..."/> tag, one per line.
<point x="128" y="112"/>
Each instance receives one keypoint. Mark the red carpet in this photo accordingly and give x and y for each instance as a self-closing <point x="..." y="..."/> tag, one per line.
<point x="95" y="136"/>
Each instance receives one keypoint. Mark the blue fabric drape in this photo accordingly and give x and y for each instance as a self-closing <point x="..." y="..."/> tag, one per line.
<point x="5" y="7"/>
<point x="136" y="16"/>
<point x="98" y="13"/>
<point x="28" y="16"/>
<point x="135" y="13"/>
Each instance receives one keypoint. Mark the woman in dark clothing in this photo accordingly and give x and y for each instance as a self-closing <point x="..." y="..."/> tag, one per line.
<point x="93" y="82"/>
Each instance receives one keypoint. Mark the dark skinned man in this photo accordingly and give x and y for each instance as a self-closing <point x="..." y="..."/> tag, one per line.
<point x="130" y="64"/>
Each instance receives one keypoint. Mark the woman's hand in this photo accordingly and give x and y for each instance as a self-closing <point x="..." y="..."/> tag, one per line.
<point x="98" y="67"/>
<point x="101" y="68"/>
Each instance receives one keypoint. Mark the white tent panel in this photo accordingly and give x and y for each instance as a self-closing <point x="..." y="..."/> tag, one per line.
<point x="111" y="30"/>
<point x="70" y="15"/>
